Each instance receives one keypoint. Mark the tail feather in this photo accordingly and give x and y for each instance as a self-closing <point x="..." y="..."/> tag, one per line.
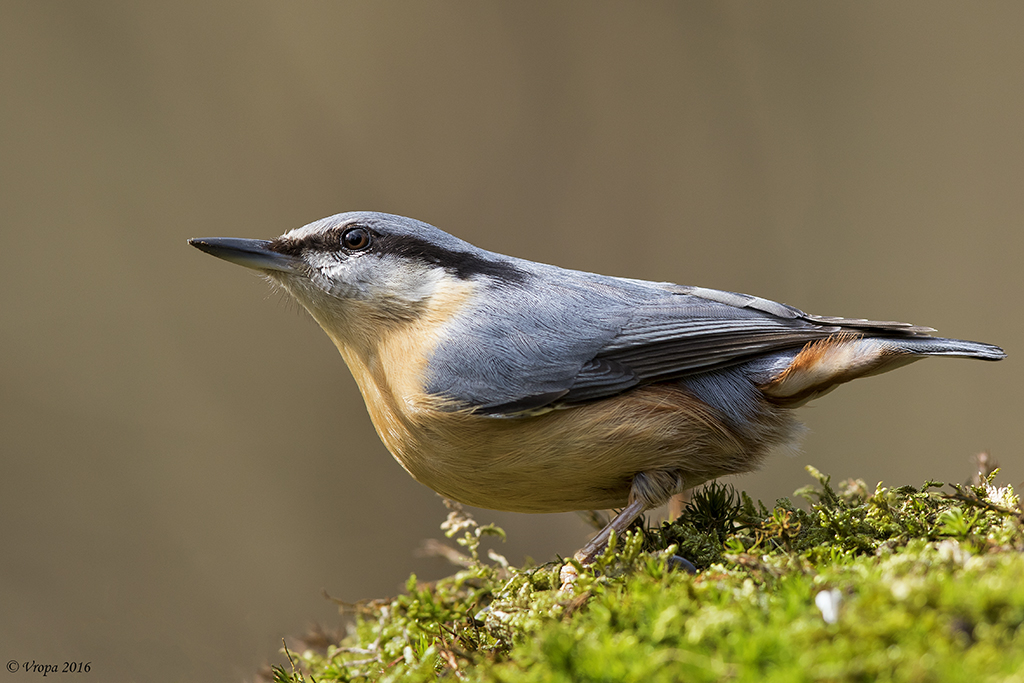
<point x="958" y="348"/>
<point x="822" y="365"/>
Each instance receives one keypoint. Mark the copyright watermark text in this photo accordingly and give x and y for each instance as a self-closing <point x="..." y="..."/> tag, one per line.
<point x="46" y="668"/>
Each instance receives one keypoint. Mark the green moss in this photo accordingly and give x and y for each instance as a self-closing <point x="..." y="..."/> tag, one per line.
<point x="903" y="584"/>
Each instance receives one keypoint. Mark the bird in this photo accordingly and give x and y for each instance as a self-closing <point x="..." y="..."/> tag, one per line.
<point x="508" y="384"/>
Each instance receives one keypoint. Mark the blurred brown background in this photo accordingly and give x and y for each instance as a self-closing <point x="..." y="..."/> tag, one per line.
<point x="186" y="460"/>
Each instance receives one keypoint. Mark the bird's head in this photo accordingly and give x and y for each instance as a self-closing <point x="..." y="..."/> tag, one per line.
<point x="360" y="273"/>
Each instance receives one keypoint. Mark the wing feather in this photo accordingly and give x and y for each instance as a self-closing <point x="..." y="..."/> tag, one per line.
<point x="701" y="330"/>
<point x="566" y="337"/>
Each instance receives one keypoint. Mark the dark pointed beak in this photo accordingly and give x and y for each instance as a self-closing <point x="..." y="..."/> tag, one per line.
<point x="249" y="253"/>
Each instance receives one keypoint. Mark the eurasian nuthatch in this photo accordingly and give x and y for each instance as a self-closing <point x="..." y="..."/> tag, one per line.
<point x="514" y="385"/>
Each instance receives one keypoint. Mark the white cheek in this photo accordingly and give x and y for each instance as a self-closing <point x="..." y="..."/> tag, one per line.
<point x="377" y="279"/>
<point x="414" y="285"/>
<point x="337" y="280"/>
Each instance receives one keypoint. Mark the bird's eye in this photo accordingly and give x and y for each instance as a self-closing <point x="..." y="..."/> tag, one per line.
<point x="356" y="238"/>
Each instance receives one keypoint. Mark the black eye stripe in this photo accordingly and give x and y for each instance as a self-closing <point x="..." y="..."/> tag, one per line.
<point x="463" y="265"/>
<point x="331" y="240"/>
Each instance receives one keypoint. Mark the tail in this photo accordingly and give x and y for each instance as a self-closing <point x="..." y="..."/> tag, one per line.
<point x="822" y="365"/>
<point x="957" y="348"/>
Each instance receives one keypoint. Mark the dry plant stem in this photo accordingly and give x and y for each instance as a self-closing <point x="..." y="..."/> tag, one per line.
<point x="619" y="525"/>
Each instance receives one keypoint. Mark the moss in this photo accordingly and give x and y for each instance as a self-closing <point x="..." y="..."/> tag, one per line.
<point x="895" y="584"/>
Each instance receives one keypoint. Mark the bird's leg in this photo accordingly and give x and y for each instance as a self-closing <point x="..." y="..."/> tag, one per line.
<point x="587" y="553"/>
<point x="619" y="525"/>
<point x="649" y="490"/>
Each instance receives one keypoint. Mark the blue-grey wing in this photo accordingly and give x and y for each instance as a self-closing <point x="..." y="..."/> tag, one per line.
<point x="696" y="330"/>
<point x="520" y="347"/>
<point x="579" y="337"/>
